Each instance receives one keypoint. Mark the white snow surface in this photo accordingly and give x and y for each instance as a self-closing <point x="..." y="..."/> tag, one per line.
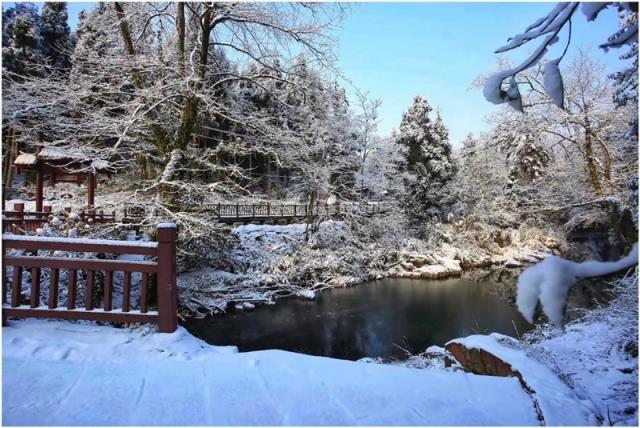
<point x="550" y="281"/>
<point x="58" y="239"/>
<point x="61" y="373"/>
<point x="558" y="403"/>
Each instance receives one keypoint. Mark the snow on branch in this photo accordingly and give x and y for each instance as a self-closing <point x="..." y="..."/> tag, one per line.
<point x="550" y="281"/>
<point x="549" y="27"/>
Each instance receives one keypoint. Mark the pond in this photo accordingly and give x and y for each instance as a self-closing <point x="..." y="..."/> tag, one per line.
<point x="376" y="319"/>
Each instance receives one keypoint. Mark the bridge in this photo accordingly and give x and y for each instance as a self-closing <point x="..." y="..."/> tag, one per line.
<point x="20" y="221"/>
<point x="262" y="213"/>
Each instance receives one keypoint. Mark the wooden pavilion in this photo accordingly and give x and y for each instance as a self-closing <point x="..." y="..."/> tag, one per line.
<point x="62" y="166"/>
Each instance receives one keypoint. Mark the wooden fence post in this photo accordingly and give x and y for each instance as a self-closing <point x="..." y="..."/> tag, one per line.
<point x="19" y="207"/>
<point x="167" y="302"/>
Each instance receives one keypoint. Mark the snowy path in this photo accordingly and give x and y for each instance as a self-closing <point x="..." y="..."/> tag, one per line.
<point x="94" y="375"/>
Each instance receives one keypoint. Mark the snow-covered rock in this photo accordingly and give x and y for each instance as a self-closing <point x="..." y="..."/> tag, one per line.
<point x="501" y="355"/>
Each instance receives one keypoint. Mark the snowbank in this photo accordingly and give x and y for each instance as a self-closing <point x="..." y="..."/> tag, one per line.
<point x="558" y="403"/>
<point x="44" y="340"/>
<point x="133" y="377"/>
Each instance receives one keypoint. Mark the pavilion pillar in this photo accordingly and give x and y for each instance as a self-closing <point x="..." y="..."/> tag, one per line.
<point x="39" y="189"/>
<point x="91" y="191"/>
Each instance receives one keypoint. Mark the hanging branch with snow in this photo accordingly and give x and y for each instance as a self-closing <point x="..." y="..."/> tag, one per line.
<point x="550" y="281"/>
<point x="549" y="27"/>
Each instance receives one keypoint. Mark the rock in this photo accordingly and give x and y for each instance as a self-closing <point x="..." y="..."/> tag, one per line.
<point x="432" y="272"/>
<point x="407" y="266"/>
<point x="307" y="294"/>
<point x="479" y="361"/>
<point x="512" y="263"/>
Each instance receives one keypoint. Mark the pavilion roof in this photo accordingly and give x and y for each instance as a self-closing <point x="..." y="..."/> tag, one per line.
<point x="65" y="158"/>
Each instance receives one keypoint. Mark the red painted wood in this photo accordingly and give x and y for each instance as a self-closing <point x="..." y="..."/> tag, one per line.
<point x="53" y="288"/>
<point x="72" y="289"/>
<point x="126" y="292"/>
<point x="35" y="287"/>
<point x="88" y="292"/>
<point x="167" y="301"/>
<point x="84" y="264"/>
<point x="108" y="282"/>
<point x="16" y="286"/>
<point x="144" y="286"/>
<point x="164" y="267"/>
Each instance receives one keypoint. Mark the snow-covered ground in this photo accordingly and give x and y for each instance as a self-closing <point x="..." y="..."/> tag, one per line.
<point x="61" y="373"/>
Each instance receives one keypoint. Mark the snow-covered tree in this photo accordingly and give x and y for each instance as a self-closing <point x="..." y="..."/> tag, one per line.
<point x="626" y="80"/>
<point x="54" y="35"/>
<point x="427" y="153"/>
<point x="20" y="39"/>
<point x="368" y="143"/>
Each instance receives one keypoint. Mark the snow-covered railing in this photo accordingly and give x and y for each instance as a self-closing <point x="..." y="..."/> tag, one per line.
<point x="164" y="269"/>
<point x="95" y="216"/>
<point x="229" y="212"/>
<point x="21" y="222"/>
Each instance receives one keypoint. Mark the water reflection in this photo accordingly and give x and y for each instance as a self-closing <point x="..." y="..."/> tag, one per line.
<point x="376" y="319"/>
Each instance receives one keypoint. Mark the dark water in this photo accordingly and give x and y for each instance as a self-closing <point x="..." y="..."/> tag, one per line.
<point x="369" y="320"/>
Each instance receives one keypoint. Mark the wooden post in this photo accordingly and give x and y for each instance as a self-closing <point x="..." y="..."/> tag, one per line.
<point x="39" y="190"/>
<point x="167" y="302"/>
<point x="19" y="207"/>
<point x="91" y="191"/>
<point x="237" y="210"/>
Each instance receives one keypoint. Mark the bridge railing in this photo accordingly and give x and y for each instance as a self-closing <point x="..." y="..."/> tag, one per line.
<point x="164" y="269"/>
<point x="291" y="210"/>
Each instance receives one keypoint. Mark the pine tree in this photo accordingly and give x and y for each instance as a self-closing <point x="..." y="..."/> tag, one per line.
<point x="20" y="34"/>
<point x="626" y="80"/>
<point x="54" y="35"/>
<point x="427" y="155"/>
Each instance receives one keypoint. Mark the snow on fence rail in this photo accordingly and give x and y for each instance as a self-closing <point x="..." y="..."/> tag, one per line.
<point x="164" y="268"/>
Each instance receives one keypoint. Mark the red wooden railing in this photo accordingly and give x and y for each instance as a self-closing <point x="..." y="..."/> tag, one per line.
<point x="21" y="222"/>
<point x="164" y="268"/>
<point x="97" y="217"/>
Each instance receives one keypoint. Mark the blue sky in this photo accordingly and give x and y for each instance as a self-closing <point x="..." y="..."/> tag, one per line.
<point x="399" y="50"/>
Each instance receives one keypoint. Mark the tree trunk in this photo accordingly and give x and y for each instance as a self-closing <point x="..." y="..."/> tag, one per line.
<point x="180" y="28"/>
<point x="159" y="135"/>
<point x="190" y="104"/>
<point x="592" y="169"/>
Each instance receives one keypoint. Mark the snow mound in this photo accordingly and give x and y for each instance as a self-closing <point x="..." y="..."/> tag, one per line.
<point x="558" y="404"/>
<point x="45" y="340"/>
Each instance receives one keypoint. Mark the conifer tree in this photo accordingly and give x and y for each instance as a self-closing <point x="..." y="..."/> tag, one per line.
<point x="20" y="34"/>
<point x="427" y="154"/>
<point x="54" y="35"/>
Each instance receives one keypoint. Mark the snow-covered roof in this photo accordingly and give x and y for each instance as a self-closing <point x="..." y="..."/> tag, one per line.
<point x="25" y="159"/>
<point x="67" y="154"/>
